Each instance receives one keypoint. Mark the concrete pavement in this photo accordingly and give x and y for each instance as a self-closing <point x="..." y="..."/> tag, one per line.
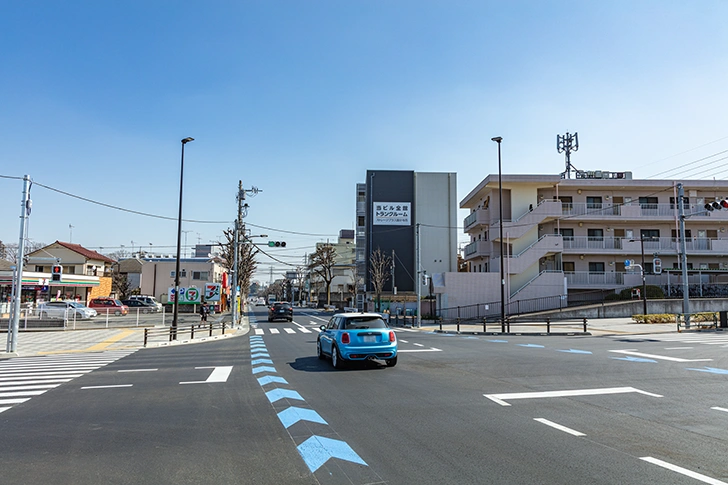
<point x="64" y="341"/>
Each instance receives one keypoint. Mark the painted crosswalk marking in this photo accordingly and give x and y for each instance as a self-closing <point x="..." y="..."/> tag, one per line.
<point x="25" y="377"/>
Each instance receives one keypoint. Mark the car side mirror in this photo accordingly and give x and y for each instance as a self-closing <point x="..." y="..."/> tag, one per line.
<point x="322" y="328"/>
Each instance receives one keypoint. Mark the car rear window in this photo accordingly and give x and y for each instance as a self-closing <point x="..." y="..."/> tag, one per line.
<point x="364" y="322"/>
<point x="281" y="305"/>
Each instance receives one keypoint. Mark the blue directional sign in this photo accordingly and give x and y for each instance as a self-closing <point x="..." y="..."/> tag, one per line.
<point x="711" y="370"/>
<point x="292" y="415"/>
<point x="263" y="368"/>
<point x="271" y="379"/>
<point x="317" y="450"/>
<point x="627" y="262"/>
<point x="277" y="394"/>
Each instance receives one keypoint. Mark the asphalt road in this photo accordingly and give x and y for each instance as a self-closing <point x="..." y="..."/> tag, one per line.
<point x="262" y="409"/>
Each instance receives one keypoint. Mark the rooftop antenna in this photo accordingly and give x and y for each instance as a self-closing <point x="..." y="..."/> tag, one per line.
<point x="566" y="144"/>
<point x="70" y="236"/>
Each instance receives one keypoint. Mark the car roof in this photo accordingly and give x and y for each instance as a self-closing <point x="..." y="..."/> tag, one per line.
<point x="359" y="315"/>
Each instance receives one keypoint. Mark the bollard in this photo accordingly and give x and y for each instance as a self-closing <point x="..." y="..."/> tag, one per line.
<point x="223" y="328"/>
<point x="458" y="327"/>
<point x="441" y="324"/>
<point x="211" y="329"/>
<point x="145" y="336"/>
<point x="484" y="324"/>
<point x="548" y="325"/>
<point x="585" y="325"/>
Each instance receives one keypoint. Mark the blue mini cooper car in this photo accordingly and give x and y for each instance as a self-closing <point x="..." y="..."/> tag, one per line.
<point x="357" y="336"/>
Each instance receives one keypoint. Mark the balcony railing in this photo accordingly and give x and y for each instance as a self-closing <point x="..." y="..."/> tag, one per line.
<point x="633" y="209"/>
<point x="584" y="278"/>
<point x="651" y="245"/>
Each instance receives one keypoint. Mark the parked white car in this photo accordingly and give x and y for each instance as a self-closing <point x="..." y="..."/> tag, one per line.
<point x="150" y="300"/>
<point x="65" y="310"/>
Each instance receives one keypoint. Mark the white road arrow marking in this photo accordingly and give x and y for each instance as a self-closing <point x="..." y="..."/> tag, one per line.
<point x="219" y="374"/>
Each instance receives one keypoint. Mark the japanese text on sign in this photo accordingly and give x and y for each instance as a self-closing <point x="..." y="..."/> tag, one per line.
<point x="392" y="213"/>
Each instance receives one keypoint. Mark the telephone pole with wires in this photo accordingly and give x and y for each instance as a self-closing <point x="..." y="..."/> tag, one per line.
<point x="566" y="144"/>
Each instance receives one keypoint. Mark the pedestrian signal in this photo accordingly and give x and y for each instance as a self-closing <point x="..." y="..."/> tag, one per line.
<point x="56" y="272"/>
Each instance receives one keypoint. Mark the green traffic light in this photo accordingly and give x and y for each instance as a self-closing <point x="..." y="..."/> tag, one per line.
<point x="271" y="244"/>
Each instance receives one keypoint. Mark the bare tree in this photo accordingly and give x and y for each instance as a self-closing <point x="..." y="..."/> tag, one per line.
<point x="322" y="264"/>
<point x="120" y="282"/>
<point x="246" y="260"/>
<point x="3" y="251"/>
<point x="118" y="254"/>
<point x="380" y="267"/>
<point x="11" y="250"/>
<point x="301" y="279"/>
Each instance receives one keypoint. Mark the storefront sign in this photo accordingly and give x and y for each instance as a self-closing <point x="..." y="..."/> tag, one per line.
<point x="212" y="291"/>
<point x="187" y="296"/>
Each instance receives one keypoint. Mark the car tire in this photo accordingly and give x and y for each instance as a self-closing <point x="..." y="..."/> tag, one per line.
<point x="290" y="320"/>
<point x="319" y="350"/>
<point x="117" y="312"/>
<point x="269" y="320"/>
<point x="391" y="362"/>
<point x="336" y="360"/>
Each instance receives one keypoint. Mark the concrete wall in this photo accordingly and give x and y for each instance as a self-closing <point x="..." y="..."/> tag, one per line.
<point x="634" y="307"/>
<point x="436" y="205"/>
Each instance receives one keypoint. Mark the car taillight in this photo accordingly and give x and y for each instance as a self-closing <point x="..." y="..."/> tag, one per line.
<point x="345" y="338"/>
<point x="392" y="338"/>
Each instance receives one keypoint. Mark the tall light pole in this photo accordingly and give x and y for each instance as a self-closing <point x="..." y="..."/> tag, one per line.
<point x="498" y="140"/>
<point x="179" y="240"/>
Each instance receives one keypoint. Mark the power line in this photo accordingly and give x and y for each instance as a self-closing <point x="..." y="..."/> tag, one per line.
<point x="687" y="164"/>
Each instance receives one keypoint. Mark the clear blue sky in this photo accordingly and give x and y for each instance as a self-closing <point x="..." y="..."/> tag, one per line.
<point x="300" y="98"/>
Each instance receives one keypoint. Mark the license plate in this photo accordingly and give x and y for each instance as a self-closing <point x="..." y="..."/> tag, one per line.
<point x="369" y="338"/>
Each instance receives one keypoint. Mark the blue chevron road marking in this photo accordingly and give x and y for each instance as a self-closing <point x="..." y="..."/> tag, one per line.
<point x="574" y="351"/>
<point x="499" y="341"/>
<point x="277" y="394"/>
<point x="533" y="346"/>
<point x="256" y="337"/>
<point x="635" y="359"/>
<point x="317" y="450"/>
<point x="711" y="370"/>
<point x="271" y="379"/>
<point x="259" y="354"/>
<point x="263" y="368"/>
<point x="261" y="361"/>
<point x="293" y="415"/>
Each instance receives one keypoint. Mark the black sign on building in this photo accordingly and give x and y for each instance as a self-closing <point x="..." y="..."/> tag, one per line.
<point x="390" y="224"/>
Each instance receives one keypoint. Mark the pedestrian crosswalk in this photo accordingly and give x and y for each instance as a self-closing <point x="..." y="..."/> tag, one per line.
<point x="703" y="338"/>
<point x="26" y="377"/>
<point x="302" y="329"/>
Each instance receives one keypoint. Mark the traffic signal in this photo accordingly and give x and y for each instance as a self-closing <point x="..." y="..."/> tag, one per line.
<point x="56" y="272"/>
<point x="716" y="206"/>
<point x="657" y="265"/>
<point x="276" y="244"/>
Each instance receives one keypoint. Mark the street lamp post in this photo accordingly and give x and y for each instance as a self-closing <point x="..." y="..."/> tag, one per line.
<point x="498" y="140"/>
<point x="179" y="240"/>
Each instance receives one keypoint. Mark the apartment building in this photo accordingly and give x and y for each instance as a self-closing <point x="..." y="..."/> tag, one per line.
<point x="343" y="271"/>
<point x="571" y="236"/>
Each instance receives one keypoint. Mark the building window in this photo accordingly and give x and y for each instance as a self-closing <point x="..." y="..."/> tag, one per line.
<point x="69" y="270"/>
<point x="593" y="203"/>
<point x="182" y="274"/>
<point x="596" y="267"/>
<point x="595" y="234"/>
<point x="568" y="266"/>
<point x="39" y="269"/>
<point x="688" y="234"/>
<point x="567" y="234"/>
<point x="360" y="221"/>
<point x="200" y="275"/>
<point x="686" y="203"/>
<point x="650" y="234"/>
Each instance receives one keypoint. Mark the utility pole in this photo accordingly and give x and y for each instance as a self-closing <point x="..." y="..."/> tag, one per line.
<point x="394" y="287"/>
<point x="418" y="282"/>
<point x="13" y="324"/>
<point x="683" y="255"/>
<point x="240" y="197"/>
<point x="567" y="144"/>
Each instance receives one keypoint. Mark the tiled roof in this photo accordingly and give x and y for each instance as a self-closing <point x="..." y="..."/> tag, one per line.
<point x="5" y="265"/>
<point x="87" y="253"/>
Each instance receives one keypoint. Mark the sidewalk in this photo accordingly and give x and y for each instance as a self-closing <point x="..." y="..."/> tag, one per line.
<point x="49" y="342"/>
<point x="596" y="327"/>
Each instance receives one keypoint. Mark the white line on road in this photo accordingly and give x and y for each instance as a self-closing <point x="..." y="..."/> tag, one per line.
<point x="715" y="407"/>
<point x="682" y="471"/>
<point x="273" y="330"/>
<point x="559" y="427"/>
<point x="652" y="356"/>
<point x="138" y="370"/>
<point x="431" y="349"/>
<point x="501" y="398"/>
<point x="3" y="402"/>
<point x="418" y="345"/>
<point x="289" y="330"/>
<point x="259" y="331"/>
<point x="404" y="341"/>
<point x="678" y="348"/>
<point x="219" y="374"/>
<point x="107" y="387"/>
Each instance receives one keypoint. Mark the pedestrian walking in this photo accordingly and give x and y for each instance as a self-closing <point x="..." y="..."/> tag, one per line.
<point x="204" y="311"/>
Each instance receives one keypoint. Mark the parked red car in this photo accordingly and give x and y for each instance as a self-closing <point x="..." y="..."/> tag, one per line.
<point x="104" y="306"/>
